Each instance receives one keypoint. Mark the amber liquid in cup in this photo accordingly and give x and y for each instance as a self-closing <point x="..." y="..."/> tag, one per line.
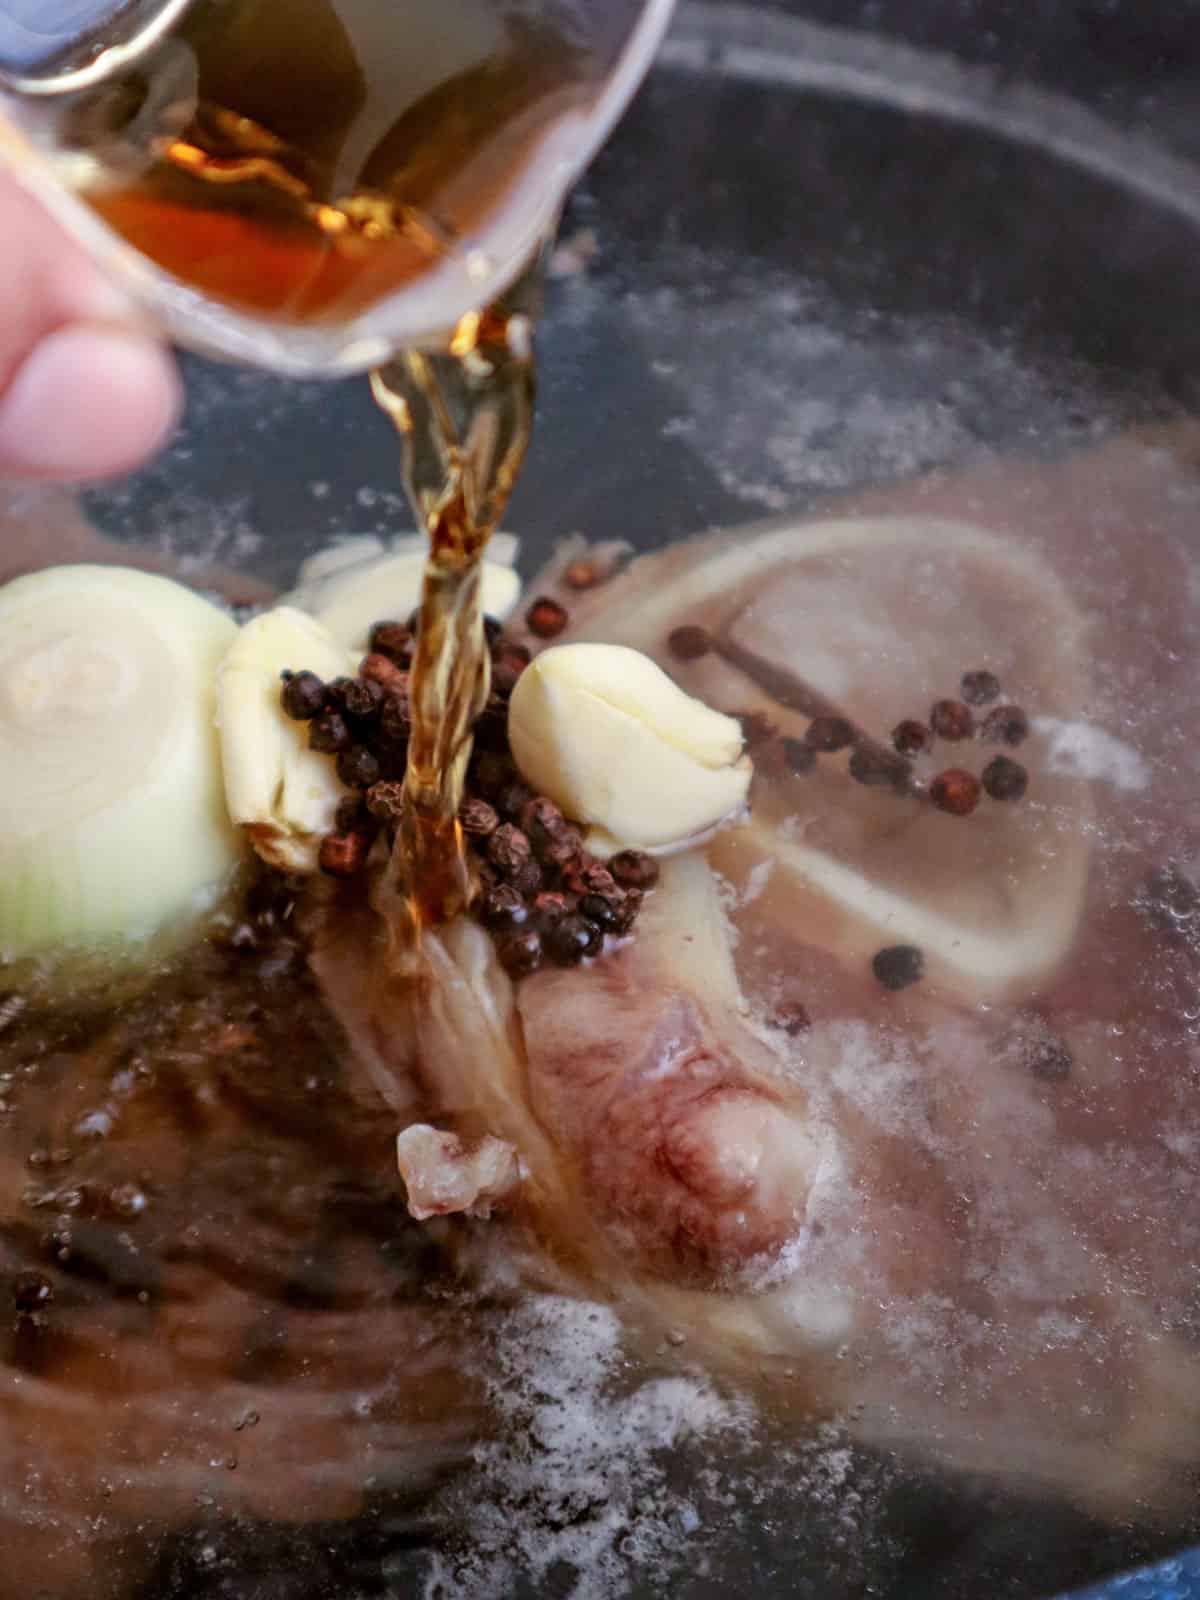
<point x="304" y="161"/>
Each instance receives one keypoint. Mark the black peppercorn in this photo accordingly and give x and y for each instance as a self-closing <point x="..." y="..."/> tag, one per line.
<point x="899" y="966"/>
<point x="568" y="941"/>
<point x="520" y="953"/>
<point x="543" y="822"/>
<point x="329" y="734"/>
<point x="979" y="688"/>
<point x="910" y="737"/>
<point x="357" y="767"/>
<point x="561" y="851"/>
<point x="950" y="719"/>
<point x="1005" y="725"/>
<point x="604" y="912"/>
<point x="303" y="696"/>
<point x="478" y="819"/>
<point x="391" y="639"/>
<point x="362" y="698"/>
<point x="335" y="690"/>
<point x="508" y="848"/>
<point x="551" y="906"/>
<point x="587" y="876"/>
<point x="502" y="908"/>
<point x="526" y="879"/>
<point x="634" y="869"/>
<point x="1005" y="779"/>
<point x="386" y="801"/>
<point x="382" y="670"/>
<point x="396" y="718"/>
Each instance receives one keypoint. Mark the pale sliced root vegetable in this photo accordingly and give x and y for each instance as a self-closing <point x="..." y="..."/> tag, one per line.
<point x="112" y="820"/>
<point x="284" y="794"/>
<point x="332" y="561"/>
<point x="352" y="586"/>
<point x="605" y="733"/>
<point x="360" y="549"/>
<point x="391" y="587"/>
<point x="877" y="618"/>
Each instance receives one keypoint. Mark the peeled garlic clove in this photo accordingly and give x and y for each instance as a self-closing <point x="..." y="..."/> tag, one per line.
<point x="362" y="549"/>
<point x="112" y="820"/>
<point x="616" y="745"/>
<point x="284" y="794"/>
<point x="357" y="584"/>
<point x="333" y="561"/>
<point x="391" y="587"/>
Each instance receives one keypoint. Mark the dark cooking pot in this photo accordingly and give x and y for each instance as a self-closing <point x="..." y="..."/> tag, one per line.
<point x="832" y="245"/>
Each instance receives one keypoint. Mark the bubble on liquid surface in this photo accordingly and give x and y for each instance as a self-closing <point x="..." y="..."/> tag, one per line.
<point x="579" y="1475"/>
<point x="607" y="1479"/>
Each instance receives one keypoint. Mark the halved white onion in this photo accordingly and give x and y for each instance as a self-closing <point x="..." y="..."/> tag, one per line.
<point x="112" y="817"/>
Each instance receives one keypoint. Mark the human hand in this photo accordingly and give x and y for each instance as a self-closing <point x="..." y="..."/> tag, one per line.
<point x="84" y="393"/>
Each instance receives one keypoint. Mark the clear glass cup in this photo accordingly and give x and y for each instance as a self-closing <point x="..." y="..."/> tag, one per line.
<point x="56" y="59"/>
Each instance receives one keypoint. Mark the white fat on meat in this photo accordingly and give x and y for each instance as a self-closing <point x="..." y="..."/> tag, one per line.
<point x="444" y="1173"/>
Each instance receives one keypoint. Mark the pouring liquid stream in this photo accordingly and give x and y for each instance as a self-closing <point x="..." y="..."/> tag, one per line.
<point x="465" y="417"/>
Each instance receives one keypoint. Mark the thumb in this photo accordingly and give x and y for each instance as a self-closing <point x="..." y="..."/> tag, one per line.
<point x="88" y="401"/>
<point x="83" y="392"/>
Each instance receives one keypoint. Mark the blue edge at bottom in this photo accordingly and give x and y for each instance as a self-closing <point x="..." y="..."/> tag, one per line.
<point x="1176" y="1579"/>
